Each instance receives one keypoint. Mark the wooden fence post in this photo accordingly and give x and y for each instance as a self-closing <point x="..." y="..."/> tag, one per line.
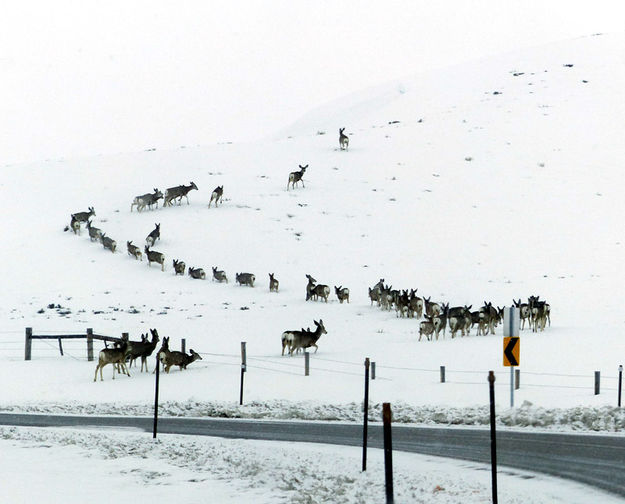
<point x="373" y="370"/>
<point x="89" y="344"/>
<point x="597" y="382"/>
<point x="517" y="379"/>
<point x="28" y="346"/>
<point x="388" y="452"/>
<point x="306" y="363"/>
<point x="442" y="374"/>
<point x="183" y="345"/>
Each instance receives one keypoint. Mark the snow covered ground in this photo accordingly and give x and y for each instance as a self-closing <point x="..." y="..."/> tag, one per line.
<point x="488" y="181"/>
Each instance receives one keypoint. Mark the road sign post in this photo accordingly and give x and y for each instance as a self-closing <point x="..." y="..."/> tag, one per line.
<point x="511" y="344"/>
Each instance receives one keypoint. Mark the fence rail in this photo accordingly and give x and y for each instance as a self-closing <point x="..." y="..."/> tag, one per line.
<point x="89" y="335"/>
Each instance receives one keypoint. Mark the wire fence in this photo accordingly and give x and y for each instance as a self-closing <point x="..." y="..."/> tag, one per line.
<point x="12" y="348"/>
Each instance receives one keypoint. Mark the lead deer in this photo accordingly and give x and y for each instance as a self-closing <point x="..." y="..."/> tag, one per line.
<point x="178" y="192"/>
<point x="115" y="356"/>
<point x="343" y="139"/>
<point x="216" y="195"/>
<point x="296" y="176"/>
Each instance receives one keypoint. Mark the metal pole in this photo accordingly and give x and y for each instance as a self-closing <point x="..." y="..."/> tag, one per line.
<point x="388" y="452"/>
<point x="157" y="370"/>
<point x="511" y="386"/>
<point x="366" y="417"/>
<point x="493" y="435"/>
<point x="620" y="383"/>
<point x="243" y="370"/>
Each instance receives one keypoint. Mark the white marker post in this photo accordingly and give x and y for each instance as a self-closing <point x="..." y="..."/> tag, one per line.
<point x="511" y="330"/>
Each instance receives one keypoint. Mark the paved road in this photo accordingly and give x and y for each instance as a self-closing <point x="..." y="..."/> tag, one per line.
<point x="591" y="459"/>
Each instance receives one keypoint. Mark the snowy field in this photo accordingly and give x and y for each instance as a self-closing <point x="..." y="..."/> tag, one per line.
<point x="490" y="181"/>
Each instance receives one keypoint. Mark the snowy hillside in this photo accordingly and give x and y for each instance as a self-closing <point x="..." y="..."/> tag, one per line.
<point x="494" y="180"/>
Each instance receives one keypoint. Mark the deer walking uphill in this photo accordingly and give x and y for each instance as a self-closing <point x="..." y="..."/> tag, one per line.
<point x="219" y="275"/>
<point x="154" y="235"/>
<point x="147" y="199"/>
<point x="216" y="195"/>
<point x="178" y="192"/>
<point x="343" y="139"/>
<point x="296" y="176"/>
<point x="154" y="256"/>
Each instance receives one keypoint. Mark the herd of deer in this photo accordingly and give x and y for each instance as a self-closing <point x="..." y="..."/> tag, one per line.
<point x="439" y="316"/>
<point x="126" y="351"/>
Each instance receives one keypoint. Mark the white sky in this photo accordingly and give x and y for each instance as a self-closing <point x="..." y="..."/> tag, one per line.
<point x="85" y="77"/>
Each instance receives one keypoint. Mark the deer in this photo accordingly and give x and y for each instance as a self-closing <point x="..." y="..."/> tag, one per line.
<point x="296" y="176"/>
<point x="440" y="320"/>
<point x="154" y="256"/>
<point x="305" y="339"/>
<point x="343" y="139"/>
<point x="539" y="313"/>
<point x="490" y="316"/>
<point x="342" y="293"/>
<point x="74" y="225"/>
<point x="431" y="308"/>
<point x="84" y="216"/>
<point x="143" y="349"/>
<point x="216" y="195"/>
<point x="415" y="306"/>
<point x="273" y="283"/>
<point x="197" y="273"/>
<point x="95" y="234"/>
<point x="179" y="267"/>
<point x="109" y="243"/>
<point x="426" y="327"/>
<point x="160" y="355"/>
<point x="310" y="286"/>
<point x="154" y="235"/>
<point x="176" y="358"/>
<point x="320" y="291"/>
<point x="147" y="199"/>
<point x="115" y="356"/>
<point x="178" y="192"/>
<point x="219" y="275"/>
<point x="245" y="279"/>
<point x="374" y="295"/>
<point x="134" y="251"/>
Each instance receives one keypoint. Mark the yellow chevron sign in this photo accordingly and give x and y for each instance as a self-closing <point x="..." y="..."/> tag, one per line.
<point x="511" y="351"/>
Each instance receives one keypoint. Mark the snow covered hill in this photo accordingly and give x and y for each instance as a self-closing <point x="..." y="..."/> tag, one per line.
<point x="489" y="181"/>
